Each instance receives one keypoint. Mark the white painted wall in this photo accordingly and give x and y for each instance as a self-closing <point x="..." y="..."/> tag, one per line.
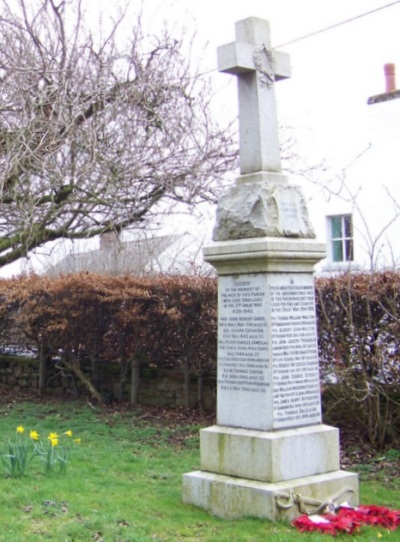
<point x="368" y="188"/>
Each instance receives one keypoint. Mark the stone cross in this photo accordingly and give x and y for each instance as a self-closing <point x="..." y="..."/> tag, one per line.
<point x="268" y="444"/>
<point x="257" y="67"/>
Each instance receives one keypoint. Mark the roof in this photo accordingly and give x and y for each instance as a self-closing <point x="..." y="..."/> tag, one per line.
<point x="131" y="257"/>
<point x="385" y="97"/>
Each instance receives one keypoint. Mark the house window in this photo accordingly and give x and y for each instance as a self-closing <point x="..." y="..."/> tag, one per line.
<point x="341" y="238"/>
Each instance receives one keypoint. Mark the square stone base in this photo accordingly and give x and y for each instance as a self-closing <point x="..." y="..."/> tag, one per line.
<point x="269" y="456"/>
<point x="230" y="497"/>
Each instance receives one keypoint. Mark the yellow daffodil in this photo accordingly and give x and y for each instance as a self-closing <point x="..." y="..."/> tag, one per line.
<point x="78" y="440"/>
<point x="34" y="435"/>
<point x="54" y="441"/>
<point x="52" y="436"/>
<point x="20" y="429"/>
<point x="68" y="433"/>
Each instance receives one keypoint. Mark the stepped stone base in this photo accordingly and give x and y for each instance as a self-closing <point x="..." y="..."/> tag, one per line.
<point x="268" y="474"/>
<point x="230" y="497"/>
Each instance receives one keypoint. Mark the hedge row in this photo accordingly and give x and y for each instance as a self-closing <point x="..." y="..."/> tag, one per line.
<point x="82" y="320"/>
<point x="358" y="319"/>
<point x="79" y="321"/>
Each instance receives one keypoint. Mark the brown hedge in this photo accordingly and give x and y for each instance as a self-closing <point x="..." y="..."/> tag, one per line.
<point x="358" y="319"/>
<point x="84" y="319"/>
<point x="171" y="321"/>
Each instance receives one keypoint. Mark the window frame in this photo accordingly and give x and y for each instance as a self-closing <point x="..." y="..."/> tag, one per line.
<point x="340" y="238"/>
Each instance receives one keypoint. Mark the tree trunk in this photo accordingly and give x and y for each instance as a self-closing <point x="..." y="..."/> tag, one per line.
<point x="135" y="380"/>
<point x="43" y="359"/>
<point x="94" y="361"/>
<point x="123" y="368"/>
<point x="186" y="381"/>
<point x="200" y="390"/>
<point x="74" y="368"/>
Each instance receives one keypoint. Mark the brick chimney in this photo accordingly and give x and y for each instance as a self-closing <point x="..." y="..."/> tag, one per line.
<point x="390" y="77"/>
<point x="390" y="93"/>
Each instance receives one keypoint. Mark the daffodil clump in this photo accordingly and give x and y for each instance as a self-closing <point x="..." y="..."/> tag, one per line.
<point x="18" y="456"/>
<point x="53" y="451"/>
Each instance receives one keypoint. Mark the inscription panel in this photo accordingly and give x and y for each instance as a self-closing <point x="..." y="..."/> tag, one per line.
<point x="294" y="353"/>
<point x="289" y="216"/>
<point x="289" y="210"/>
<point x="268" y="376"/>
<point x="244" y="368"/>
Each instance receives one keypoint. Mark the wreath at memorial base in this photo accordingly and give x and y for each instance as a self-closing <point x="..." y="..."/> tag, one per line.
<point x="349" y="520"/>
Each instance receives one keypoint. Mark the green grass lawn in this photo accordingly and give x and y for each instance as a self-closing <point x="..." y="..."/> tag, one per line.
<point x="124" y="484"/>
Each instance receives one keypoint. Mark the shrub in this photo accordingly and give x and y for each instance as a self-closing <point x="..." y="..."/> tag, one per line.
<point x="359" y="329"/>
<point x="79" y="321"/>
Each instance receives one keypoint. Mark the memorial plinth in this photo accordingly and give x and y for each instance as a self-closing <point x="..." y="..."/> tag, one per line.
<point x="269" y="440"/>
<point x="269" y="455"/>
<point x="268" y="376"/>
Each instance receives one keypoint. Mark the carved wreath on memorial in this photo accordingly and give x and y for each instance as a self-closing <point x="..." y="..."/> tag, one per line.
<point x="264" y="63"/>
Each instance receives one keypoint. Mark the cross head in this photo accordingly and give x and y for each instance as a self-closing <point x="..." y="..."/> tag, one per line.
<point x="257" y="67"/>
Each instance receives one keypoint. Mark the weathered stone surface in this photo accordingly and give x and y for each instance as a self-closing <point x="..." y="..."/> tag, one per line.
<point x="268" y="375"/>
<point x="257" y="67"/>
<point x="231" y="497"/>
<point x="269" y="456"/>
<point x="262" y="210"/>
<point x="265" y="255"/>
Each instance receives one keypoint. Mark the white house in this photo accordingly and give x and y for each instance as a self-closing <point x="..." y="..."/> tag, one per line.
<point x="357" y="211"/>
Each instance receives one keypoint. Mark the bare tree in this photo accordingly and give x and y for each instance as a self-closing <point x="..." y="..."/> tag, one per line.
<point x="94" y="135"/>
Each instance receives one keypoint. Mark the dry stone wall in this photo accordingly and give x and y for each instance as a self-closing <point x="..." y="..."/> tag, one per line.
<point x="163" y="387"/>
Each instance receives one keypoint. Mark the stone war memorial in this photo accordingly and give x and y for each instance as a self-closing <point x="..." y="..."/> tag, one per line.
<point x="270" y="455"/>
